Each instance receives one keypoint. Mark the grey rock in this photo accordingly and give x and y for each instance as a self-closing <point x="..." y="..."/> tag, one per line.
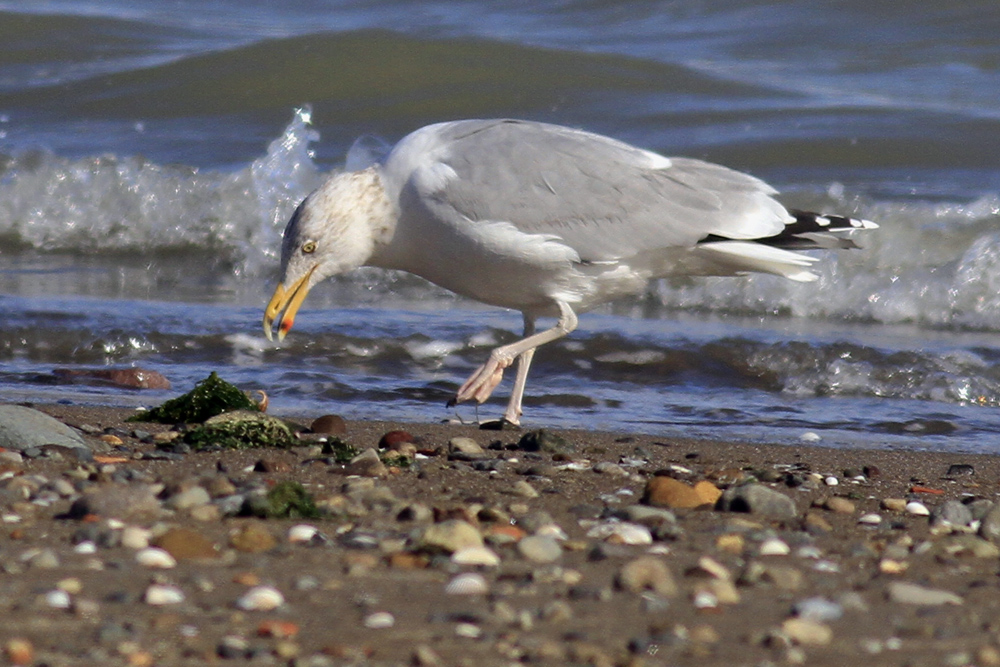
<point x="989" y="529"/>
<point x="464" y="446"/>
<point x="980" y="508"/>
<point x="23" y="428"/>
<point x="951" y="513"/>
<point x="757" y="499"/>
<point x="818" y="609"/>
<point x="646" y="515"/>
<point x="118" y="501"/>
<point x="908" y="593"/>
<point x="189" y="498"/>
<point x="450" y="536"/>
<point x="540" y="548"/>
<point x="647" y="573"/>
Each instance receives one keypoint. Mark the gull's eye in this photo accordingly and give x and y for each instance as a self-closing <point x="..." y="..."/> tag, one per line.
<point x="309" y="247"/>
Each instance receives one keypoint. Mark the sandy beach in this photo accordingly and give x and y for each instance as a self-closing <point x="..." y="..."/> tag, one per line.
<point x="494" y="555"/>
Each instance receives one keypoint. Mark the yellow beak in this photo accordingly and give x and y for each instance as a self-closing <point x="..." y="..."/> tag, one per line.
<point x="287" y="300"/>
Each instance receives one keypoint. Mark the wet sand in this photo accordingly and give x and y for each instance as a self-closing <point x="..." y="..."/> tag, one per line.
<point x="819" y="587"/>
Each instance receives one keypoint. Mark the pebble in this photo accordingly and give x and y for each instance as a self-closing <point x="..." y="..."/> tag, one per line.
<point x="758" y="499"/>
<point x="58" y="599"/>
<point x="989" y="527"/>
<point x="366" y="464"/>
<point x="662" y="491"/>
<point x="524" y="490"/>
<point x="154" y="557"/>
<point x="19" y="651"/>
<point x="159" y="595"/>
<point x="184" y="543"/>
<point x="647" y="573"/>
<point x="260" y="598"/>
<point x="253" y="538"/>
<point x="893" y="504"/>
<point x="951" y="513"/>
<point x="467" y="583"/>
<point x="540" y="548"/>
<point x="871" y="519"/>
<point x="22" y="428"/>
<point x="839" y="505"/>
<point x="908" y="593"/>
<point x="329" y="425"/>
<point x="774" y="547"/>
<point x="916" y="508"/>
<point x="302" y="532"/>
<point x="379" y="620"/>
<point x="481" y="556"/>
<point x="450" y="536"/>
<point x="464" y="446"/>
<point x="188" y="499"/>
<point x="818" y="609"/>
<point x="807" y="632"/>
<point x="135" y="537"/>
<point x="617" y="532"/>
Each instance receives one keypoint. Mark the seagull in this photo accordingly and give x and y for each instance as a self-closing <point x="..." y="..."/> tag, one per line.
<point x="547" y="220"/>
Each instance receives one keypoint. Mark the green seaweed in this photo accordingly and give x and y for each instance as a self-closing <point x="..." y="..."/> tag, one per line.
<point x="210" y="397"/>
<point x="240" y="429"/>
<point x="287" y="500"/>
<point x="341" y="451"/>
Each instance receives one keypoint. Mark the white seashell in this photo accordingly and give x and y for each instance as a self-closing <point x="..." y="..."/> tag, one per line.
<point x="379" y="620"/>
<point x="705" y="600"/>
<point x="468" y="631"/>
<point x="261" y="598"/>
<point x="774" y="547"/>
<point x="467" y="583"/>
<point x="810" y="436"/>
<point x="58" y="599"/>
<point x="476" y="556"/>
<point x="161" y="594"/>
<point x="918" y="508"/>
<point x="870" y="519"/>
<point x="155" y="558"/>
<point x="831" y="481"/>
<point x="621" y="533"/>
<point x="134" y="537"/>
<point x="302" y="532"/>
<point x="553" y="531"/>
<point x="85" y="547"/>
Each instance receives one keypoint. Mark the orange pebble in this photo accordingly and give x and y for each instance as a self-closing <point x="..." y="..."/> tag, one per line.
<point x="925" y="489"/>
<point x="278" y="629"/>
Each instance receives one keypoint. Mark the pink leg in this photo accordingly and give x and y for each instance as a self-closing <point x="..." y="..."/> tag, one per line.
<point x="486" y="378"/>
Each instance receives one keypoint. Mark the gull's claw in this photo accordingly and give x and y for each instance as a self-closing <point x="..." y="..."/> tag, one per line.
<point x="481" y="384"/>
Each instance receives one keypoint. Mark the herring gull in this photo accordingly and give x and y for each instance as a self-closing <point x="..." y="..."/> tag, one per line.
<point x="544" y="219"/>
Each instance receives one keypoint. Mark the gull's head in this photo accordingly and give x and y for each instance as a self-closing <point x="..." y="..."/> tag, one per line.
<point x="334" y="229"/>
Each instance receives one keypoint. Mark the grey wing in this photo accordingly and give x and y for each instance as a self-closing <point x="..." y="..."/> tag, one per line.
<point x="604" y="198"/>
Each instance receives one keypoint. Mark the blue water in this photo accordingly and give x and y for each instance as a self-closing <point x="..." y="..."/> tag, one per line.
<point x="151" y="153"/>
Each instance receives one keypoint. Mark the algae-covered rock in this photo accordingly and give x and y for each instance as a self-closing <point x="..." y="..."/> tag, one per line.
<point x="341" y="451"/>
<point x="240" y="429"/>
<point x="286" y="500"/>
<point x="210" y="397"/>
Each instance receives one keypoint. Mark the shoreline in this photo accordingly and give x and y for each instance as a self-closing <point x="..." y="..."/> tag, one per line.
<point x="686" y="586"/>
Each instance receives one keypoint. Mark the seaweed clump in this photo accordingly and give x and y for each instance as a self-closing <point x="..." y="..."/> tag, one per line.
<point x="287" y="500"/>
<point x="240" y="429"/>
<point x="210" y="397"/>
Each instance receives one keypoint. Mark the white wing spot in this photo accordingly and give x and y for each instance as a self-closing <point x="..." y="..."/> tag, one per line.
<point x="437" y="176"/>
<point x="822" y="221"/>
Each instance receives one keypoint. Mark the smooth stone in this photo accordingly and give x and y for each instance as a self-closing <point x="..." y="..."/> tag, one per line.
<point x="118" y="501"/>
<point x="156" y="558"/>
<point x="617" y="532"/>
<point x="989" y="527"/>
<point x="260" y="598"/>
<point x="647" y="573"/>
<point x="894" y="504"/>
<point x="916" y="508"/>
<point x="22" y="428"/>
<point x="818" y="609"/>
<point x="482" y="556"/>
<point x="468" y="583"/>
<point x="839" y="505"/>
<point x="464" y="445"/>
<point x="329" y="425"/>
<point x="302" y="532"/>
<point x="951" y="513"/>
<point x="870" y="519"/>
<point x="976" y="546"/>
<point x="543" y="440"/>
<point x="450" y="536"/>
<point x="774" y="547"/>
<point x="757" y="499"/>
<point x="253" y="538"/>
<point x="366" y="464"/>
<point x="908" y="593"/>
<point x="672" y="493"/>
<point x="133" y="378"/>
<point x="135" y="537"/>
<point x="647" y="516"/>
<point x="785" y="577"/>
<point x="540" y="548"/>
<point x="183" y="543"/>
<point x="379" y="620"/>
<point x="524" y="490"/>
<point x="807" y="632"/>
<point x="159" y="595"/>
<point x="188" y="499"/>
